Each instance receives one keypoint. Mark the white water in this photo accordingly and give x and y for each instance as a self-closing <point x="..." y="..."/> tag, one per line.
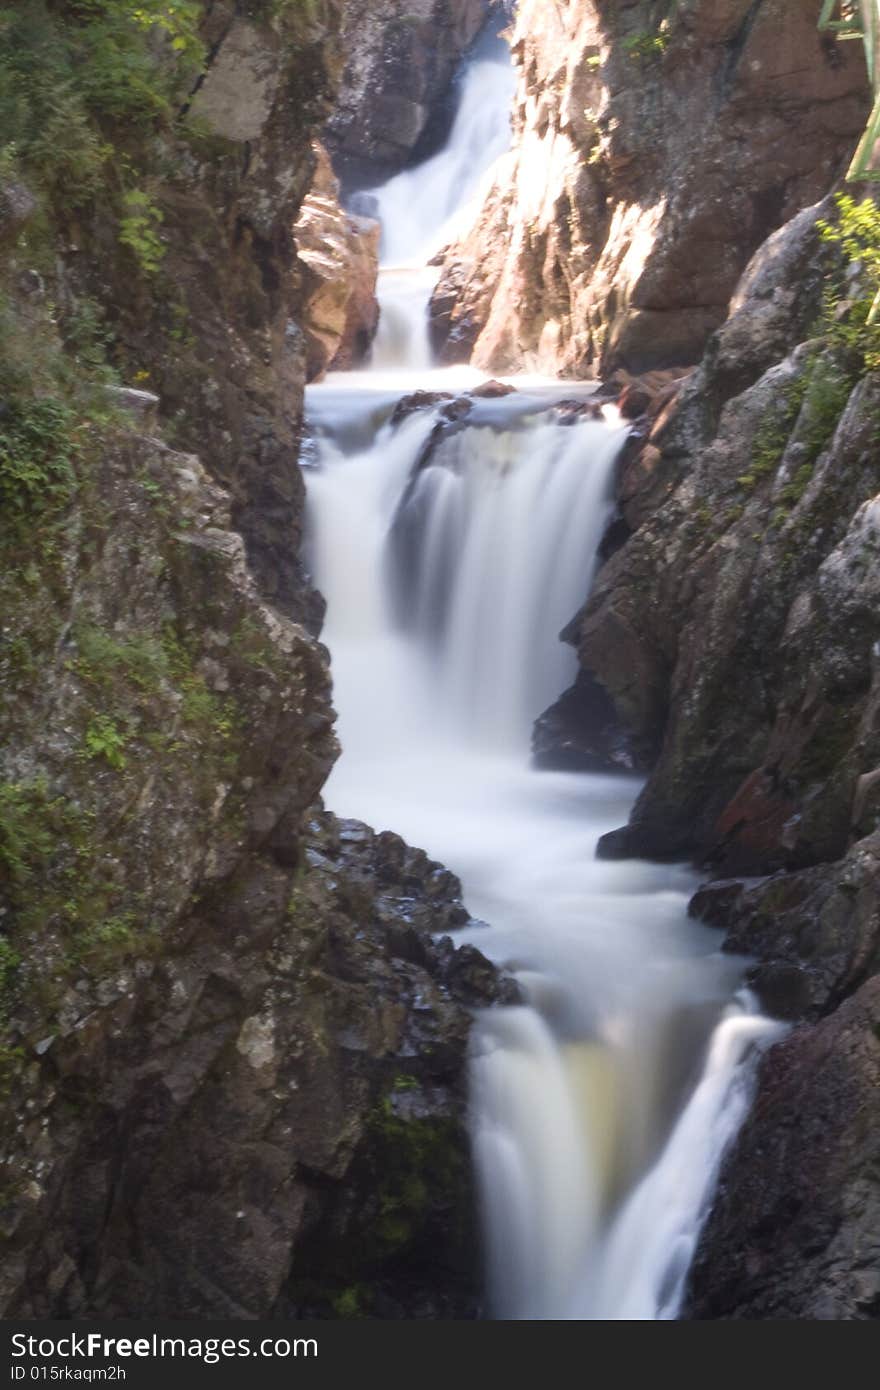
<point x="601" y="1106"/>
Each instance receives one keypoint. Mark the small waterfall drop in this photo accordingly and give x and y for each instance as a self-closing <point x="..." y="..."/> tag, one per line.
<point x="451" y="553"/>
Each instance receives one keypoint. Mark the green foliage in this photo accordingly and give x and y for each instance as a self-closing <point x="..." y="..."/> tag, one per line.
<point x="116" y="931"/>
<point x="84" y="88"/>
<point x="37" y="452"/>
<point x="33" y="824"/>
<point x="87" y="339"/>
<point x="645" y="46"/>
<point x="206" y="713"/>
<point x="65" y="70"/>
<point x="827" y="392"/>
<point x="103" y="739"/>
<point x="851" y="320"/>
<point x="140" y="661"/>
<point x="139" y="230"/>
<point x="10" y="960"/>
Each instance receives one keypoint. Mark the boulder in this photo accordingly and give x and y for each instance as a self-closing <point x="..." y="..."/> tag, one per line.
<point x="339" y="256"/>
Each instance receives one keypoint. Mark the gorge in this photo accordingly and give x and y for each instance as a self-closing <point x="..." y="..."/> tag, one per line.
<point x="605" y="391"/>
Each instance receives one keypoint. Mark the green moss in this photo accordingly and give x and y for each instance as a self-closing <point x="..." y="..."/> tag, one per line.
<point x="11" y="1061"/>
<point x="349" y="1303"/>
<point x="33" y="823"/>
<point x="405" y="1083"/>
<point x="794" y="491"/>
<point x="418" y="1166"/>
<point x="773" y="435"/>
<point x="51" y="873"/>
<point x="139" y="660"/>
<point x="806" y="412"/>
<point x="10" y="960"/>
<point x="253" y="646"/>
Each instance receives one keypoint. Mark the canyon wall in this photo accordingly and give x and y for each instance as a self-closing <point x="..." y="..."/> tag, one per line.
<point x="655" y="147"/>
<point x="233" y="1035"/>
<point x="394" y="101"/>
<point x="734" y="631"/>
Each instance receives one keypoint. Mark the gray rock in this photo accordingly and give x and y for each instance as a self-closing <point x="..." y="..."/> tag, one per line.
<point x="795" y="1231"/>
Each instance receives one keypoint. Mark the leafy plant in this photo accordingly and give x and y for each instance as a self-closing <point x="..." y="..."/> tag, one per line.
<point x="37" y="452"/>
<point x="34" y="826"/>
<point x="103" y="739"/>
<point x="645" y="45"/>
<point x="139" y="230"/>
<point x="852" y="317"/>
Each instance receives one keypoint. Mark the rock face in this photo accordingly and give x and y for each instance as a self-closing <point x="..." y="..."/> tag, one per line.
<point x="794" y="1232"/>
<point x="652" y="157"/>
<point x="232" y="1048"/>
<point x="212" y="326"/>
<point x="814" y="935"/>
<point x="234" y="1055"/>
<point x="267" y="1121"/>
<point x="339" y="253"/>
<point x="734" y="630"/>
<point x="735" y="633"/>
<point x="394" y="97"/>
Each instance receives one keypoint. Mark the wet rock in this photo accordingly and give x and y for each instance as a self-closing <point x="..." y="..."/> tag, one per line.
<point x="794" y="1230"/>
<point x="581" y="733"/>
<point x="418" y="400"/>
<point x="269" y="1116"/>
<point x="395" y="94"/>
<point x="814" y="935"/>
<point x="491" y="390"/>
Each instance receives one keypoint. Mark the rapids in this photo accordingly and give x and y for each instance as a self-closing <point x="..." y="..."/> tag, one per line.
<point x="601" y="1106"/>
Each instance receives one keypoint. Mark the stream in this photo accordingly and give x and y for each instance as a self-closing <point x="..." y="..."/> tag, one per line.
<point x="602" y="1105"/>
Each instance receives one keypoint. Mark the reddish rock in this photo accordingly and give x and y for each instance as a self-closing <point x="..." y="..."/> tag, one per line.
<point x="616" y="230"/>
<point x="339" y="256"/>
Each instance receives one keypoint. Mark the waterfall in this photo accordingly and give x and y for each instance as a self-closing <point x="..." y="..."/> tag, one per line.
<point x="451" y="550"/>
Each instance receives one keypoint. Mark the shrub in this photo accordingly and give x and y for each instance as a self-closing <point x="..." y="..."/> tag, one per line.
<point x="37" y="451"/>
<point x="104" y="740"/>
<point x="852" y="316"/>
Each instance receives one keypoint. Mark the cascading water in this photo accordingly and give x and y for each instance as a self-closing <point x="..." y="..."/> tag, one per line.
<point x="602" y="1104"/>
